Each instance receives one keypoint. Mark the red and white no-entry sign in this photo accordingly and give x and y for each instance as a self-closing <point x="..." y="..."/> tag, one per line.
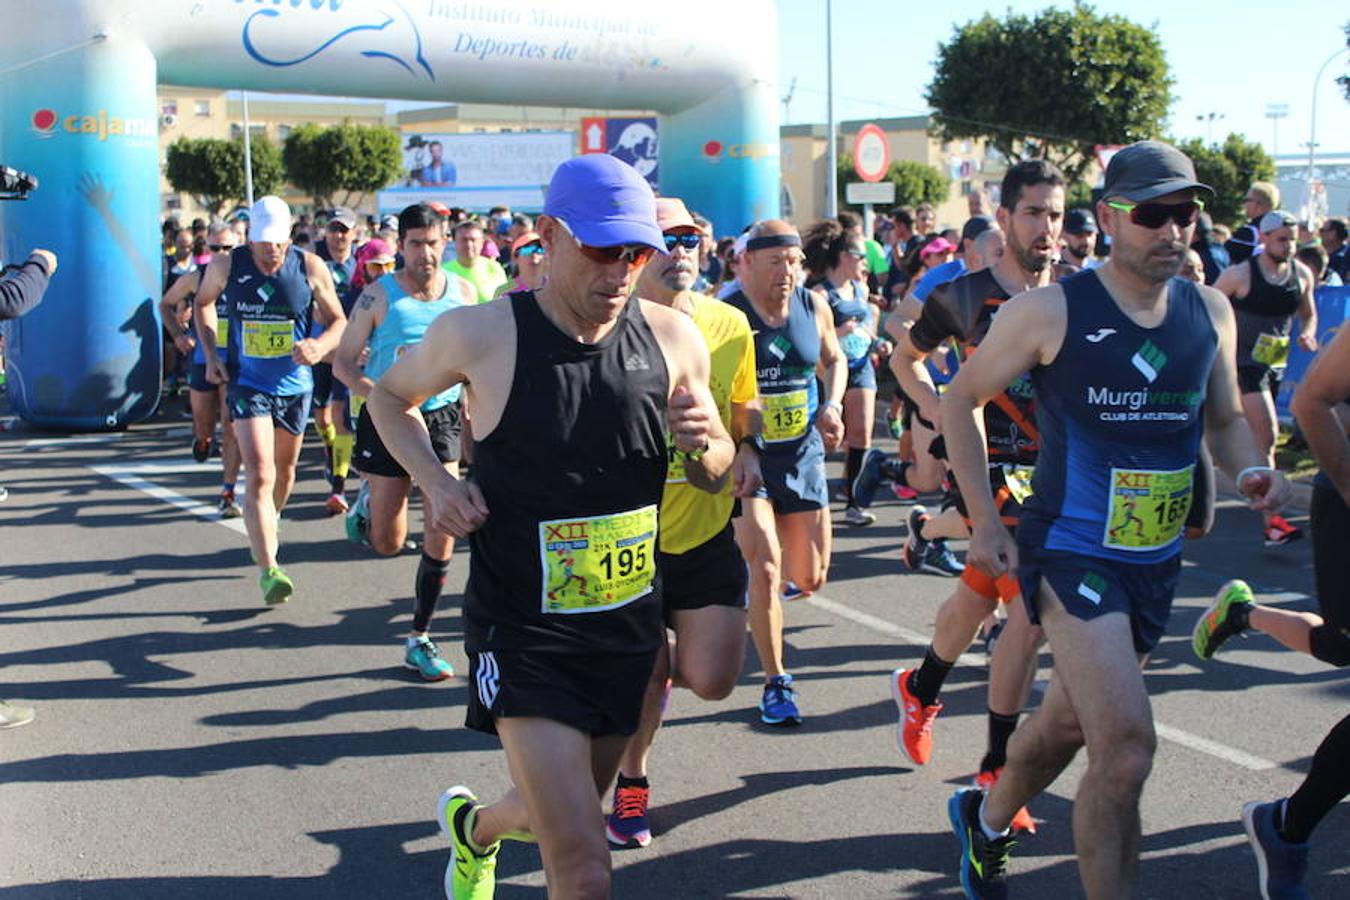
<point x="871" y="153"/>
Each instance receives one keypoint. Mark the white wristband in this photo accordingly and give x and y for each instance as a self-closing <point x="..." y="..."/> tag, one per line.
<point x="837" y="407"/>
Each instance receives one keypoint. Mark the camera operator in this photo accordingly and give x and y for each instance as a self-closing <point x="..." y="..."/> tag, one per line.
<point x="21" y="288"/>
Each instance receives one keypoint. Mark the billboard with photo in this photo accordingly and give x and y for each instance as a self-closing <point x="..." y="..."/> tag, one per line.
<point x="478" y="171"/>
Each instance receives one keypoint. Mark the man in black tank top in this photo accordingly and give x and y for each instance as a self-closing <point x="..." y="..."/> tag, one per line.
<point x="563" y="610"/>
<point x="1102" y="600"/>
<point x="1267" y="292"/>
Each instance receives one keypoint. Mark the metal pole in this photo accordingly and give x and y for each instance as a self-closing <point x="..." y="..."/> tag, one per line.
<point x="831" y="150"/>
<point x="1312" y="123"/>
<point x="248" y="156"/>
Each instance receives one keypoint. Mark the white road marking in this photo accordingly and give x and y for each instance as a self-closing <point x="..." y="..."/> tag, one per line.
<point x="130" y="474"/>
<point x="1167" y="732"/>
<point x="110" y="437"/>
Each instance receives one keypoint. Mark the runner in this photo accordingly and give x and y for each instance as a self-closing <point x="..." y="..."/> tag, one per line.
<point x="784" y="530"/>
<point x="330" y="420"/>
<point x="572" y="390"/>
<point x="1123" y="359"/>
<point x="1267" y="291"/>
<point x="392" y="315"/>
<point x="469" y="263"/>
<point x="207" y="400"/>
<point x="273" y="293"/>
<point x="1030" y="214"/>
<point x="527" y="253"/>
<point x="1279" y="830"/>
<point x="1080" y="240"/>
<point x="703" y="576"/>
<point x="837" y="257"/>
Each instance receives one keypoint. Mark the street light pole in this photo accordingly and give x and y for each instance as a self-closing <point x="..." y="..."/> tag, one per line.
<point x="1312" y="122"/>
<point x="1275" y="112"/>
<point x="831" y="150"/>
<point x="248" y="155"/>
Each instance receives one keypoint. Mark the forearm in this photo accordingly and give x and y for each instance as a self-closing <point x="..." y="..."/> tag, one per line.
<point x="404" y="433"/>
<point x="835" y="379"/>
<point x="709" y="472"/>
<point x="913" y="378"/>
<point x="168" y="314"/>
<point x="22" y="288"/>
<point x="1326" y="437"/>
<point x="204" y="315"/>
<point x="327" y="342"/>
<point x="968" y="456"/>
<point x="746" y="419"/>
<point x="1233" y="446"/>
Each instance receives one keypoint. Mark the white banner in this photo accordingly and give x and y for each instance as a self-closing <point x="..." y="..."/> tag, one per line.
<point x="478" y="171"/>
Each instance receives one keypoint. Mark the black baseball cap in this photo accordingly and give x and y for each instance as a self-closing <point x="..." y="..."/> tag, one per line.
<point x="1146" y="170"/>
<point x="976" y="226"/>
<point x="1080" y="221"/>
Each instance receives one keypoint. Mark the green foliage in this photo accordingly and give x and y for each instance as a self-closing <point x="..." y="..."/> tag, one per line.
<point x="1230" y="169"/>
<point x="354" y="159"/>
<point x="1051" y="85"/>
<point x="915" y="182"/>
<point x="212" y="169"/>
<point x="1079" y="195"/>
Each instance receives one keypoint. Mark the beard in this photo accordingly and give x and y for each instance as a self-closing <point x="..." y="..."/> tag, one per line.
<point x="1145" y="263"/>
<point x="1029" y="260"/>
<point x="680" y="275"/>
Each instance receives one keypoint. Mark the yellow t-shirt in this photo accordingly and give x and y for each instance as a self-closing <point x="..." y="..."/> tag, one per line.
<point x="689" y="516"/>
<point x="486" y="275"/>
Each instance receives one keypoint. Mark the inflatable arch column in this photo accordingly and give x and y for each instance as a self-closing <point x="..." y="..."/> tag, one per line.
<point x="77" y="82"/>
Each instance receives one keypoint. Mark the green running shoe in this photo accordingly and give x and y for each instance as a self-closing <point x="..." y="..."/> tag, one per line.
<point x="424" y="657"/>
<point x="277" y="586"/>
<point x="1226" y="617"/>
<point x="358" y="516"/>
<point x="469" y="876"/>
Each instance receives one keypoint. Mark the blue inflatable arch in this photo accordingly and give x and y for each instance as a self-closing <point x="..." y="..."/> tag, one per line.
<point x="78" y="110"/>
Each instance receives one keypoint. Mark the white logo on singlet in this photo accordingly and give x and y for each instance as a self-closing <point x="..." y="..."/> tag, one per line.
<point x="244" y="279"/>
<point x="1101" y="335"/>
<point x="635" y="363"/>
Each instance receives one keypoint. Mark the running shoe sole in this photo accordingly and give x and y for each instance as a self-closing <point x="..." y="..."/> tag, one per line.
<point x="642" y="839"/>
<point x="440" y="676"/>
<point x="1262" y="867"/>
<point x="1198" y="630"/>
<point x="958" y="824"/>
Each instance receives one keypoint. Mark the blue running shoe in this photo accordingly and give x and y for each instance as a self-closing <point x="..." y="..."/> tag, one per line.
<point x="1280" y="865"/>
<point x="868" y="479"/>
<point x="627" y="825"/>
<point x="358" y="517"/>
<point x="792" y="592"/>
<point x="984" y="863"/>
<point x="424" y="657"/>
<point x="779" y="704"/>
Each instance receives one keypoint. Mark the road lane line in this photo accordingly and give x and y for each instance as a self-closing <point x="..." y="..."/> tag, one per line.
<point x="129" y="474"/>
<point x="1167" y="732"/>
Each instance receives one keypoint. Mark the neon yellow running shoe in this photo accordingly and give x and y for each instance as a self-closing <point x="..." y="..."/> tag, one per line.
<point x="469" y="876"/>
<point x="1225" y="618"/>
<point x="277" y="586"/>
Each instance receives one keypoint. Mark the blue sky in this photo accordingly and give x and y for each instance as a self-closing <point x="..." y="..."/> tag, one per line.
<point x="1231" y="58"/>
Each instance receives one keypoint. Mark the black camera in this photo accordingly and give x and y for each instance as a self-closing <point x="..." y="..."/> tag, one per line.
<point x="15" y="185"/>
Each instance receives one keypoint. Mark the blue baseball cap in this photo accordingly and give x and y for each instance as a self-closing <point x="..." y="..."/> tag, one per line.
<point x="604" y="201"/>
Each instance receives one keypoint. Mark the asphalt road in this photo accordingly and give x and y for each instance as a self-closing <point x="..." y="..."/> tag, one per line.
<point x="192" y="744"/>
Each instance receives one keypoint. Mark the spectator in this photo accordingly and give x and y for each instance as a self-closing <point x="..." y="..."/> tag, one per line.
<point x="1315" y="258"/>
<point x="1212" y="255"/>
<point x="1333" y="234"/>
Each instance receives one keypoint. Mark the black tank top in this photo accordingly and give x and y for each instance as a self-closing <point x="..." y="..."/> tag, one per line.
<point x="1268" y="309"/>
<point x="572" y="476"/>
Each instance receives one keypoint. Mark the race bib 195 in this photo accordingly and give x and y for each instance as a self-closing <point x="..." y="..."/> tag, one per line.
<point x="1147" y="507"/>
<point x="597" y="563"/>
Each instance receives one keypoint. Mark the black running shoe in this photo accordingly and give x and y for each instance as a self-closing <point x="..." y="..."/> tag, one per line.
<point x="984" y="863"/>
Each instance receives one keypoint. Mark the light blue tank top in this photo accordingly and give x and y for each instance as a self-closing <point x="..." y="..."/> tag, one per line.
<point x="404" y="324"/>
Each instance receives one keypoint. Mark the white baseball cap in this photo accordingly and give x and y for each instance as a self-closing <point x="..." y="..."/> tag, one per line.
<point x="269" y="221"/>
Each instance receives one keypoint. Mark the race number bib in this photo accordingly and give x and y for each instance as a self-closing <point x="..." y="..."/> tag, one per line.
<point x="268" y="339"/>
<point x="1018" y="481"/>
<point x="597" y="563"/>
<point x="1271" y="350"/>
<point x="784" y="416"/>
<point x="1147" y="508"/>
<point x="222" y="333"/>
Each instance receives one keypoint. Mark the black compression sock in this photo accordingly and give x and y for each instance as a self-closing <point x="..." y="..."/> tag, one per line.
<point x="852" y="466"/>
<point x="427" y="587"/>
<point x="1001" y="728"/>
<point x="1327" y="784"/>
<point x="926" y="681"/>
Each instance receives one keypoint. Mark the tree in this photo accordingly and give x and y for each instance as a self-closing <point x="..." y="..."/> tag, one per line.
<point x="1052" y="86"/>
<point x="212" y="169"/>
<point x="1230" y="169"/>
<point x="353" y="159"/>
<point x="915" y="182"/>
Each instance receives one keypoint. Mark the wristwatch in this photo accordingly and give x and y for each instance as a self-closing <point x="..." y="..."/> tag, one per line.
<point x="836" y="406"/>
<point x="754" y="442"/>
<point x="695" y="455"/>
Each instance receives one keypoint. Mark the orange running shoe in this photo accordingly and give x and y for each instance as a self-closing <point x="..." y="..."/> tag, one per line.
<point x="914" y="733"/>
<point x="1022" y="820"/>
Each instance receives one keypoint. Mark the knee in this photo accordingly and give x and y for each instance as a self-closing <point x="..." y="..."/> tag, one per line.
<point x="710" y="685"/>
<point x="812" y="581"/>
<point x="586" y="878"/>
<point x="385" y="543"/>
<point x="1124" y="762"/>
<point x="764" y="568"/>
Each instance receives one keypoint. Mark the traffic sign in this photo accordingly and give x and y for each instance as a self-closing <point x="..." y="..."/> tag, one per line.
<point x="632" y="139"/>
<point x="871" y="153"/>
<point x="861" y="192"/>
<point x="593" y="135"/>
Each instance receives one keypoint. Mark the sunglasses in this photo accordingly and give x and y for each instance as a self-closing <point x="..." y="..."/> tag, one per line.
<point x="633" y="254"/>
<point x="1155" y="215"/>
<point x="856" y="253"/>
<point x="219" y="248"/>
<point x="382" y="266"/>
<point x="531" y="250"/>
<point x="687" y="241"/>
